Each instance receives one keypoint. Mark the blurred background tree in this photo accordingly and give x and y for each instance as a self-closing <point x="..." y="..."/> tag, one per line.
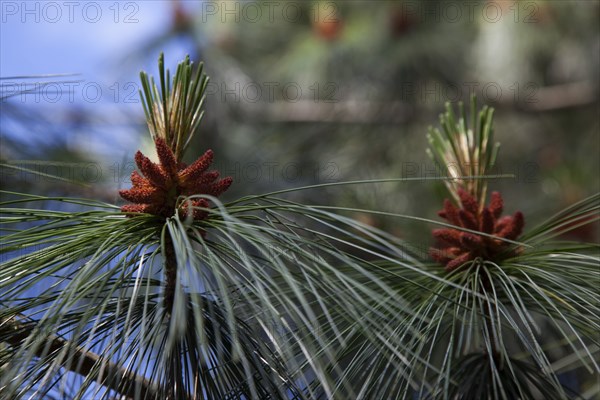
<point x="305" y="92"/>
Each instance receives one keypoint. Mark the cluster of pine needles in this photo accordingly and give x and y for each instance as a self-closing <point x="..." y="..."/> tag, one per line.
<point x="183" y="295"/>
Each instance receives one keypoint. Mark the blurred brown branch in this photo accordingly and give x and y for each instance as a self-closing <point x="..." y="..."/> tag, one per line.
<point x="14" y="332"/>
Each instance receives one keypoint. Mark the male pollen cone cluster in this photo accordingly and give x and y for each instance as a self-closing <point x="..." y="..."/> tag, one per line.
<point x="158" y="190"/>
<point x="458" y="247"/>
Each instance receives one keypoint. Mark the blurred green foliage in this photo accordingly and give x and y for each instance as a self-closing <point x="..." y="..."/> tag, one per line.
<point x="306" y="92"/>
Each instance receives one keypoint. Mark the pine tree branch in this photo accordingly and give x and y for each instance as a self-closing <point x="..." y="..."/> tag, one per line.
<point x="174" y="385"/>
<point x="14" y="333"/>
<point x="170" y="273"/>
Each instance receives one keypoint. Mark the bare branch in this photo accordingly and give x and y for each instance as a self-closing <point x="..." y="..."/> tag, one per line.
<point x="15" y="332"/>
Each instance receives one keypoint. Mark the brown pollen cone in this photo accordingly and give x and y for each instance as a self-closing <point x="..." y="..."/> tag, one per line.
<point x="457" y="246"/>
<point x="159" y="186"/>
